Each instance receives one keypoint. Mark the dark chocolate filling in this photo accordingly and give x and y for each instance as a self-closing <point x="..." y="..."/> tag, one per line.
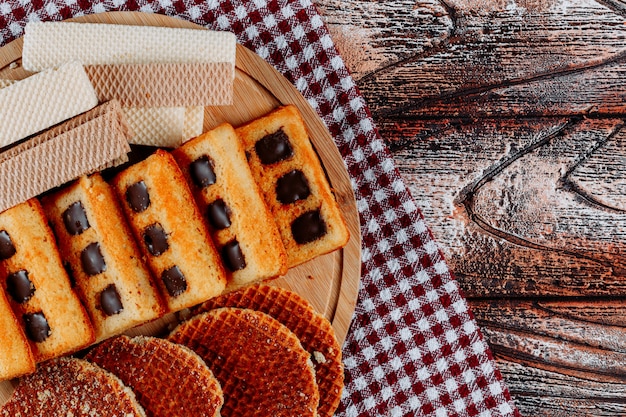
<point x="110" y="301"/>
<point x="20" y="287"/>
<point x="75" y="219"/>
<point x="37" y="328"/>
<point x="201" y="172"/>
<point x="174" y="280"/>
<point x="138" y="197"/>
<point x="232" y="256"/>
<point x="292" y="186"/>
<point x="155" y="239"/>
<point x="274" y="147"/>
<point x="308" y="227"/>
<point x="92" y="260"/>
<point x="218" y="214"/>
<point x="6" y="245"/>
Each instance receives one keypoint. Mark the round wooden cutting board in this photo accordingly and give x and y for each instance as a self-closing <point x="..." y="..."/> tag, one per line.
<point x="329" y="282"/>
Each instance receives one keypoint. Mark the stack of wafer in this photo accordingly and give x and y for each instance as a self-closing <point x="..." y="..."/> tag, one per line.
<point x="158" y="74"/>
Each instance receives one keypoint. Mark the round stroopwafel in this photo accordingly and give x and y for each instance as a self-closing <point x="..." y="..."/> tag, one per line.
<point x="168" y="379"/>
<point x="314" y="331"/>
<point x="72" y="387"/>
<point x="263" y="369"/>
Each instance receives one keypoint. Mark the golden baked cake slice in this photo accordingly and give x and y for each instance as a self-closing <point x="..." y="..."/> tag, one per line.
<point x="294" y="184"/>
<point x="38" y="287"/>
<point x="315" y="332"/>
<point x="260" y="364"/>
<point x="71" y="387"/>
<point x="16" y="357"/>
<point x="99" y="251"/>
<point x="241" y="225"/>
<point x="168" y="379"/>
<point x="166" y="222"/>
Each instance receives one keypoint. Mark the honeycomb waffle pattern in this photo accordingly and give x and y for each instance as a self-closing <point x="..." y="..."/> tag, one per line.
<point x="72" y="387"/>
<point x="156" y="126"/>
<point x="194" y="122"/>
<point x="314" y="331"/>
<point x="52" y="162"/>
<point x="164" y="84"/>
<point x="47" y="44"/>
<point x="167" y="378"/>
<point x="263" y="369"/>
<point x="43" y="100"/>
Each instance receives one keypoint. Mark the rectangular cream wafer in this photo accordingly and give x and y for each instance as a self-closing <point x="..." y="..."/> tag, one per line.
<point x="47" y="44"/>
<point x="51" y="160"/>
<point x="165" y="127"/>
<point x="164" y="84"/>
<point x="43" y="100"/>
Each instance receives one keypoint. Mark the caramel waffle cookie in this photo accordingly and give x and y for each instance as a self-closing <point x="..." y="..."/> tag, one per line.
<point x="294" y="184"/>
<point x="71" y="387"/>
<point x="261" y="365"/>
<point x="314" y="331"/>
<point x="167" y="378"/>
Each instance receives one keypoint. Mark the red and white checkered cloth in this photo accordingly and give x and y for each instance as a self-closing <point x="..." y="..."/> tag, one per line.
<point x="414" y="347"/>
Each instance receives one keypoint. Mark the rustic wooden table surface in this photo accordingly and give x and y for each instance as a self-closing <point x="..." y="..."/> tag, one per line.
<point x="505" y="118"/>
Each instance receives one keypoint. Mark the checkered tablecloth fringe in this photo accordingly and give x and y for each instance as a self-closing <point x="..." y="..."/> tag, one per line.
<point x="413" y="348"/>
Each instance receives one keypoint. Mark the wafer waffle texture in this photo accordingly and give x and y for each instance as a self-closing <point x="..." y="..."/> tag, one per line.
<point x="293" y="182"/>
<point x="83" y="145"/>
<point x="164" y="84"/>
<point x="72" y="387"/>
<point x="314" y="331"/>
<point x="38" y="287"/>
<point x="47" y="44"/>
<point x="44" y="99"/>
<point x="114" y="283"/>
<point x="164" y="127"/>
<point x="168" y="379"/>
<point x="242" y="227"/>
<point x="260" y="364"/>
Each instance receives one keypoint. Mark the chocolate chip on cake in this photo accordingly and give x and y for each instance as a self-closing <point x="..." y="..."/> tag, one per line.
<point x="201" y="172"/>
<point x="110" y="301"/>
<point x="92" y="260"/>
<point x="37" y="328"/>
<point x="174" y="281"/>
<point x="20" y="287"/>
<point x="218" y="214"/>
<point x="155" y="239"/>
<point x="274" y="147"/>
<point x="232" y="256"/>
<point x="308" y="227"/>
<point x="292" y="186"/>
<point x="137" y="196"/>
<point x="75" y="219"/>
<point x="6" y="245"/>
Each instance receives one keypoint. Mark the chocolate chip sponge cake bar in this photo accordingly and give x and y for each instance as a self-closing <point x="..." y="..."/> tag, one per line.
<point x="168" y="226"/>
<point x="241" y="225"/>
<point x="294" y="185"/>
<point x="37" y="286"/>
<point x="98" y="248"/>
<point x="16" y="358"/>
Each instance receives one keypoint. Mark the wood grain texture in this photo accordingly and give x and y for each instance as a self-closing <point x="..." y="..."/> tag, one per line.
<point x="329" y="282"/>
<point x="506" y="121"/>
